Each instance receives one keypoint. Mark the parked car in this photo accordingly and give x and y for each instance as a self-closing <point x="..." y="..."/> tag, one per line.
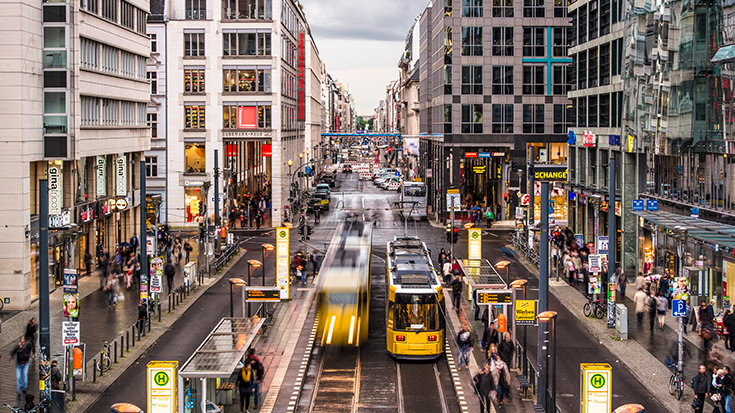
<point x="324" y="188"/>
<point x="347" y="169"/>
<point x="328" y="179"/>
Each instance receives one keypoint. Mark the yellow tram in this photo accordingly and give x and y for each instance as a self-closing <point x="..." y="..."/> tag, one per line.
<point x="344" y="286"/>
<point x="415" y="308"/>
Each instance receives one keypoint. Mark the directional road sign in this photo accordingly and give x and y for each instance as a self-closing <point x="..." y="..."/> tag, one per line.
<point x="678" y="308"/>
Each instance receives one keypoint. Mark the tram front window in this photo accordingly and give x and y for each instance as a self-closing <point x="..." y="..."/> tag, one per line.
<point x="416" y="312"/>
<point x="342" y="298"/>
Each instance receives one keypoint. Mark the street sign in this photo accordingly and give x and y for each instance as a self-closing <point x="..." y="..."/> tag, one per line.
<point x="596" y="388"/>
<point x="637" y="205"/>
<point x="475" y="244"/>
<point x="652" y="205"/>
<point x="519" y="213"/>
<point x="678" y="308"/>
<point x="263" y="294"/>
<point x="595" y="261"/>
<point x="494" y="297"/>
<point x="525" y="314"/>
<point x="525" y="199"/>
<point x="603" y="245"/>
<point x="453" y="200"/>
<point x="161" y="380"/>
<point x="70" y="333"/>
<point x="282" y="267"/>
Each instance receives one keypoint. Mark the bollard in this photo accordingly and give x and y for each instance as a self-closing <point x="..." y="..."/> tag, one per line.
<point x="138" y="328"/>
<point x="159" y="310"/>
<point x="169" y="303"/>
<point x="149" y="325"/>
<point x="122" y="346"/>
<point x="127" y="340"/>
<point x="114" y="351"/>
<point x="102" y="372"/>
<point x="176" y="299"/>
<point x="94" y="371"/>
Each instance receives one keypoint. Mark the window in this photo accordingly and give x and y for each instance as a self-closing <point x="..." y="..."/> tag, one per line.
<point x="582" y="70"/>
<point x="533" y="41"/>
<point x="448" y="45"/>
<point x="502" y="8"/>
<point x="246" y="44"/>
<point x="109" y="59"/>
<point x="503" y="118"/>
<point x="447" y="79"/>
<point x="447" y="8"/>
<point x="533" y="8"/>
<point x="472" y="118"/>
<point x="560" y="8"/>
<point x="151" y="167"/>
<point x="471" y="41"/>
<point x="250" y="9"/>
<point x="154" y="42"/>
<point x="127" y="64"/>
<point x="447" y="118"/>
<point x="195" y="10"/>
<point x="471" y="8"/>
<point x="90" y="54"/>
<point x="502" y="80"/>
<point x="582" y="21"/>
<point x="561" y="41"/>
<point x="127" y="15"/>
<point x="581" y="112"/>
<point x="153" y="78"/>
<point x="229" y="114"/>
<point x="90" y="111"/>
<point x="533" y="118"/>
<point x="109" y="10"/>
<point x="142" y="19"/>
<point x="140" y="117"/>
<point x="127" y="112"/>
<point x="194" y="116"/>
<point x="605" y="111"/>
<point x="561" y="79"/>
<point x="193" y="80"/>
<point x="253" y="79"/>
<point x="264" y="117"/>
<point x="502" y="41"/>
<point x="592" y="67"/>
<point x="110" y="109"/>
<point x="563" y="116"/>
<point x="604" y="17"/>
<point x="247" y="117"/>
<point x="472" y="80"/>
<point x="152" y="122"/>
<point x="194" y="44"/>
<point x="593" y="20"/>
<point x="533" y="80"/>
<point x="194" y="158"/>
<point x="605" y="64"/>
<point x="592" y="111"/>
<point x="90" y="6"/>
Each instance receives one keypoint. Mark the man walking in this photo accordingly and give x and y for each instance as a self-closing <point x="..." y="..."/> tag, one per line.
<point x="622" y="284"/>
<point x="640" y="305"/>
<point x="506" y="349"/>
<point x="456" y="285"/>
<point x="103" y="266"/>
<point x="701" y="388"/>
<point x="22" y="353"/>
<point x="465" y="341"/>
<point x="485" y="386"/>
<point x="728" y="386"/>
<point x="257" y="366"/>
<point x="169" y="271"/>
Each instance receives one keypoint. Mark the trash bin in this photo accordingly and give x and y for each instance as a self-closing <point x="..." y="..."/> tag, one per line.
<point x="126" y="408"/>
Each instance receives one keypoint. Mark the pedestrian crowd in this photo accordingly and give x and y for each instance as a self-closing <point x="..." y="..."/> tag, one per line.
<point x="249" y="381"/>
<point x="252" y="211"/>
<point x="492" y="383"/>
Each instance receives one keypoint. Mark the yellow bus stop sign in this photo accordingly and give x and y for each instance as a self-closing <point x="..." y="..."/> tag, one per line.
<point x="596" y="392"/>
<point x="161" y="384"/>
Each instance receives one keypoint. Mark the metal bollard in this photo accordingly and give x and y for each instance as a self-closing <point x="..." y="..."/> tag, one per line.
<point x="169" y="303"/>
<point x="114" y="351"/>
<point x="138" y="328"/>
<point x="149" y="325"/>
<point x="159" y="311"/>
<point x="102" y="372"/>
<point x="127" y="340"/>
<point x="176" y="299"/>
<point x="122" y="346"/>
<point x="94" y="371"/>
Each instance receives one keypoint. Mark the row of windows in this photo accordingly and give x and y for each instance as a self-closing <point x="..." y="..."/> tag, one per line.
<point x="592" y="67"/>
<point x="534" y="41"/>
<point x="289" y="84"/>
<point x="289" y="51"/>
<point x="534" y="80"/>
<point x="503" y="117"/>
<point x="233" y="117"/>
<point x="289" y="19"/>
<point x="250" y="79"/>
<point x="246" y="9"/>
<point x="594" y="19"/>
<point x="604" y="110"/>
<point x="108" y="59"/>
<point x="112" y="112"/>
<point x="118" y="11"/>
<point x="247" y="44"/>
<point x="506" y="8"/>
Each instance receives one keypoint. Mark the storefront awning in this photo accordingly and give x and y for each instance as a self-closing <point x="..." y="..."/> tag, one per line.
<point x="709" y="232"/>
<point x="223" y="349"/>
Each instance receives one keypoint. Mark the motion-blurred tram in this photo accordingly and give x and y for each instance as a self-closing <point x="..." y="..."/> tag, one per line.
<point x="344" y="286"/>
<point x="415" y="307"/>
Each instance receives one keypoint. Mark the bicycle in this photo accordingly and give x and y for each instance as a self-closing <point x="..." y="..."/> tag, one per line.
<point x="42" y="406"/>
<point x="676" y="382"/>
<point x="594" y="306"/>
<point x="104" y="362"/>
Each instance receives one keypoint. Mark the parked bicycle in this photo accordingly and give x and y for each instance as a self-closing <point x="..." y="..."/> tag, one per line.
<point x="594" y="306"/>
<point x="39" y="408"/>
<point x="676" y="382"/>
<point x="104" y="362"/>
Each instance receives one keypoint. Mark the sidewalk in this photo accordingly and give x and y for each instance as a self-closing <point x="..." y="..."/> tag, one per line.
<point x="99" y="322"/>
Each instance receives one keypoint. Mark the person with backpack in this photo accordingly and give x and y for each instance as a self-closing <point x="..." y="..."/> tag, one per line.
<point x="456" y="285"/>
<point x="466" y="342"/>
<point x="485" y="386"/>
<point x="246" y="383"/>
<point x="257" y="366"/>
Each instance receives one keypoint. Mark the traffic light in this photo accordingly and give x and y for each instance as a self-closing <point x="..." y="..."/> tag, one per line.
<point x="201" y="230"/>
<point x="455" y="235"/>
<point x="195" y="207"/>
<point x="301" y="230"/>
<point x="505" y="197"/>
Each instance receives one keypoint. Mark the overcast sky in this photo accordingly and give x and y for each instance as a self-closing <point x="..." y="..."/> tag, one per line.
<point x="361" y="42"/>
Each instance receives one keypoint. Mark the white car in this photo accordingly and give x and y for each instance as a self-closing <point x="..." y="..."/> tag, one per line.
<point x="393" y="185"/>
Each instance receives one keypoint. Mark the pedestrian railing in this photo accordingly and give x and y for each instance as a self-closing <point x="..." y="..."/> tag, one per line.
<point x="521" y="245"/>
<point x="226" y="255"/>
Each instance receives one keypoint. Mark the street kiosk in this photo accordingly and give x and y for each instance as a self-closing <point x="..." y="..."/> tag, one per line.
<point x="205" y="378"/>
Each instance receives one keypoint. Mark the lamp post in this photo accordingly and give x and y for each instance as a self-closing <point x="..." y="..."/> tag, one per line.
<point x="263" y="249"/>
<point x="506" y="265"/>
<point x="239" y="282"/>
<point x="521" y="285"/>
<point x="681" y="234"/>
<point x="546" y="351"/>
<point x="252" y="264"/>
<point x="307" y="161"/>
<point x="290" y="188"/>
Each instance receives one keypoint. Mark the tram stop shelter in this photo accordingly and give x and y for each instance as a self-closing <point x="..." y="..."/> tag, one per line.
<point x="205" y="380"/>
<point x="481" y="275"/>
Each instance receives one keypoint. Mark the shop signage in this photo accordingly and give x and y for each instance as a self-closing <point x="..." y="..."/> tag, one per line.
<point x="429" y="172"/>
<point x="86" y="213"/>
<point x="596" y="388"/>
<point x="479" y="169"/>
<point x="525" y="199"/>
<point x="582" y="199"/>
<point x="247" y="117"/>
<point x="155" y="283"/>
<point x="572" y="196"/>
<point x="484" y="154"/>
<point x="193" y="183"/>
<point x="494" y="297"/>
<point x="106" y="206"/>
<point x="617" y="208"/>
<point x="267" y="150"/>
<point x="61" y="220"/>
<point x="637" y="205"/>
<point x="652" y="205"/>
<point x="121" y="204"/>
<point x="282" y="258"/>
<point x="101" y="176"/>
<point x="631" y="143"/>
<point x="571" y="138"/>
<point x="121" y="175"/>
<point x="161" y="383"/>
<point x="550" y="173"/>
<point x="263" y="294"/>
<point x="55" y="192"/>
<point x="302" y="77"/>
<point x="603" y="245"/>
<point x="519" y="213"/>
<point x="470" y="154"/>
<point x="525" y="314"/>
<point x="475" y="243"/>
<point x="246" y="134"/>
<point x="70" y="333"/>
<point x="694" y="212"/>
<point x="588" y="138"/>
<point x="614" y="140"/>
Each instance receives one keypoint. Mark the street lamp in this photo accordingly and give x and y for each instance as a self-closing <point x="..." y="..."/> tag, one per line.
<point x="263" y="249"/>
<point x="521" y="285"/>
<point x="681" y="234"/>
<point x="252" y="264"/>
<point x="506" y="265"/>
<point x="239" y="282"/>
<point x="547" y="335"/>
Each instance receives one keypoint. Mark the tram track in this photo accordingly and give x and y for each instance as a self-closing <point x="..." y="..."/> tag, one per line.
<point x="415" y="392"/>
<point x="337" y="382"/>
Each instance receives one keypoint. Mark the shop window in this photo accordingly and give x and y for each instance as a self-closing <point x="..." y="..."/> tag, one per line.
<point x="471" y="8"/>
<point x="562" y="118"/>
<point x="194" y="117"/>
<point x="152" y="122"/>
<point x="533" y="118"/>
<point x="561" y="79"/>
<point x="195" y="10"/>
<point x="447" y="118"/>
<point x="502" y="80"/>
<point x="471" y="80"/>
<point x="194" y="80"/>
<point x="193" y="44"/>
<point x="533" y="80"/>
<point x="560" y="8"/>
<point x="194" y="158"/>
<point x="193" y="203"/>
<point x="502" y="118"/>
<point x="503" y="8"/>
<point x="502" y="41"/>
<point x="151" y="167"/>
<point x="533" y="41"/>
<point x="471" y="118"/>
<point x="246" y="44"/>
<point x="533" y="8"/>
<point x="471" y="41"/>
<point x="230" y="117"/>
<point x="264" y="117"/>
<point x="248" y="117"/>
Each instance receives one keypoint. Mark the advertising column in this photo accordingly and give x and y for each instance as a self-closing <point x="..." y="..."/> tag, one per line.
<point x="282" y="252"/>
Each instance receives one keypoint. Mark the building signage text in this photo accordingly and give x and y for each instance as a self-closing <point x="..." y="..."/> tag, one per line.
<point x="121" y="175"/>
<point x="101" y="176"/>
<point x="549" y="173"/>
<point x="302" y="72"/>
<point x="244" y="134"/>
<point x="55" y="193"/>
<point x="588" y="138"/>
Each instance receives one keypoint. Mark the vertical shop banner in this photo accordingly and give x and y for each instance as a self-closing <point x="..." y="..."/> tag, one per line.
<point x="247" y="117"/>
<point x="161" y="383"/>
<point x="411" y="146"/>
<point x="475" y="244"/>
<point x="282" y="264"/>
<point x="101" y="173"/>
<point x="121" y="175"/>
<point x="55" y="190"/>
<point x="302" y="78"/>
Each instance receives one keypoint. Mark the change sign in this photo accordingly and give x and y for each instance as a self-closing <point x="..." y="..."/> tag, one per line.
<point x="525" y="312"/>
<point x="550" y="173"/>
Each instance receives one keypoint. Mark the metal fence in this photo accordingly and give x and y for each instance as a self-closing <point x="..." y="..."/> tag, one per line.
<point x="521" y="245"/>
